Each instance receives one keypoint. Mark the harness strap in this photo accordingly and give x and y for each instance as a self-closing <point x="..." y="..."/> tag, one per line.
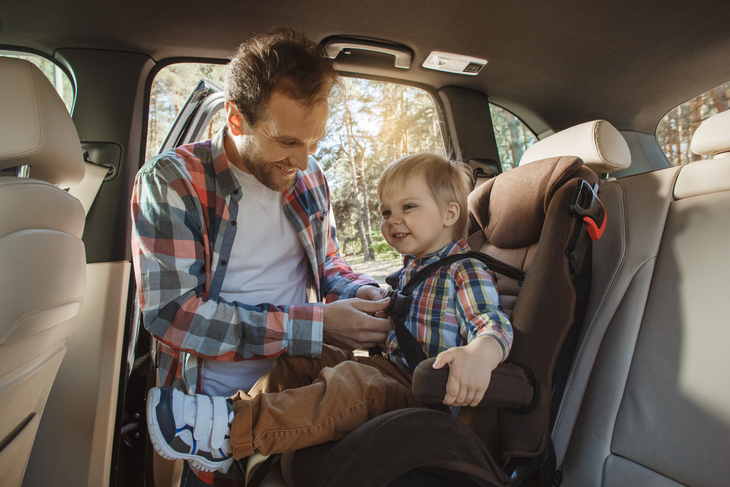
<point x="400" y="302"/>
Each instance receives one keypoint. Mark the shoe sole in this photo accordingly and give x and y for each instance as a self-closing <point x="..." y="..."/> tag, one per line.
<point x="163" y="448"/>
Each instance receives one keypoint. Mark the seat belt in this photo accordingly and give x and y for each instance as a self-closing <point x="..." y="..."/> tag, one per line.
<point x="586" y="206"/>
<point x="88" y="188"/>
<point x="400" y="300"/>
<point x="589" y="210"/>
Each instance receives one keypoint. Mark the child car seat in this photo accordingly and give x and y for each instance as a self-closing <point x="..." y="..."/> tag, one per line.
<point x="540" y="218"/>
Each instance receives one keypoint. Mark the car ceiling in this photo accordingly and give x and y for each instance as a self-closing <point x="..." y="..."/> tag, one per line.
<point x="553" y="63"/>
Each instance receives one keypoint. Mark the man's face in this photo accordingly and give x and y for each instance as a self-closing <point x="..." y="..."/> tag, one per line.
<point x="280" y="144"/>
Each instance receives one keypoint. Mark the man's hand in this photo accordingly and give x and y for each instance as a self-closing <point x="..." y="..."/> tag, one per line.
<point x="351" y="323"/>
<point x="470" y="369"/>
<point x="371" y="293"/>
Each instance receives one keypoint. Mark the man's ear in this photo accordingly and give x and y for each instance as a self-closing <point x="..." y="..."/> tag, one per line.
<point x="237" y="125"/>
<point x="452" y="214"/>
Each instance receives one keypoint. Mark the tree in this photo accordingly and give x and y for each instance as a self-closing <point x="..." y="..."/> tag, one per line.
<point x="349" y="129"/>
<point x="371" y="124"/>
<point x="676" y="129"/>
<point x="170" y="89"/>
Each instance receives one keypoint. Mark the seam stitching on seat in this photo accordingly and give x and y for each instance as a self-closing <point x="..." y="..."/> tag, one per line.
<point x="597" y="314"/>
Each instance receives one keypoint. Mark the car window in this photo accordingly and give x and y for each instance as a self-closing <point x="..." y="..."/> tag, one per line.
<point x="57" y="76"/>
<point x="513" y="136"/>
<point x="674" y="132"/>
<point x="170" y="89"/>
<point x="371" y="124"/>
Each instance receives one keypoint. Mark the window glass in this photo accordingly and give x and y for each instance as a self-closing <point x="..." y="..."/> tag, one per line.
<point x="513" y="136"/>
<point x="170" y="89"/>
<point x="371" y="124"/>
<point x="55" y="75"/>
<point x="674" y="132"/>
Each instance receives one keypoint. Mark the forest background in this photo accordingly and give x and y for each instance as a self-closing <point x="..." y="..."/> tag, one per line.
<point x="373" y="123"/>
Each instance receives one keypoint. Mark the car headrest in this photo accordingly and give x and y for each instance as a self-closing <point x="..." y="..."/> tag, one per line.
<point x="712" y="137"/>
<point x="512" y="207"/>
<point x="602" y="147"/>
<point x="35" y="127"/>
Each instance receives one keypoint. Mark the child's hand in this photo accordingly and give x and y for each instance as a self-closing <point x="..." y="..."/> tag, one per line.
<point x="471" y="369"/>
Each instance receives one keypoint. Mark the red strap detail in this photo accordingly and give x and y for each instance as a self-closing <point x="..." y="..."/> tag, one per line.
<point x="593" y="230"/>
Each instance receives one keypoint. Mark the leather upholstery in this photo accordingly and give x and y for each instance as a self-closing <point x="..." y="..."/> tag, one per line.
<point x="523" y="218"/>
<point x="711" y="137"/>
<point x="42" y="256"/>
<point x="601" y="147"/>
<point x="647" y="401"/>
<point x="712" y="176"/>
<point x="36" y="128"/>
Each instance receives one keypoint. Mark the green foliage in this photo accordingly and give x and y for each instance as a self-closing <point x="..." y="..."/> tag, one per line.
<point x="371" y="124"/>
<point x="170" y="89"/>
<point x="386" y="121"/>
<point x="381" y="247"/>
<point x="513" y="137"/>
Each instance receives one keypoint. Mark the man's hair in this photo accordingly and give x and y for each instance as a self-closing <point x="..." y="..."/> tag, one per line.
<point x="282" y="60"/>
<point x="447" y="181"/>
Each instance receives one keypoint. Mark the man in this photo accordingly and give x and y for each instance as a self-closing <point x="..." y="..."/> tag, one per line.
<point x="227" y="232"/>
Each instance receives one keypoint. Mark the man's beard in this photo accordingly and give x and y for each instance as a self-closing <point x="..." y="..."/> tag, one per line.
<point x="265" y="171"/>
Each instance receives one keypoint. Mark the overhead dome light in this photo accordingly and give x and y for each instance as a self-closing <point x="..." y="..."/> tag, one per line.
<point x="454" y="63"/>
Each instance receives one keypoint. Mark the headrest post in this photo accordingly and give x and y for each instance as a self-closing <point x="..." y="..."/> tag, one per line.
<point x="22" y="171"/>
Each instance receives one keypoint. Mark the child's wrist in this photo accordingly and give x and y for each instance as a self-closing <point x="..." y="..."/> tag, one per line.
<point x="491" y="348"/>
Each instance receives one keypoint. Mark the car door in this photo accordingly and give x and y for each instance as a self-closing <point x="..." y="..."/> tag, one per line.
<point x="197" y="114"/>
<point x="132" y="451"/>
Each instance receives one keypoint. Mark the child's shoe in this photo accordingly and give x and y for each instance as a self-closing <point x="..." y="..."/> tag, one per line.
<point x="193" y="428"/>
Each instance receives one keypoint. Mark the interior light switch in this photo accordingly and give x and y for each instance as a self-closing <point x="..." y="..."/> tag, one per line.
<point x="473" y="68"/>
<point x="454" y="63"/>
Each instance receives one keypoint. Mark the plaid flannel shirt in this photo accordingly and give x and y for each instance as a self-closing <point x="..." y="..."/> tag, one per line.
<point x="184" y="209"/>
<point x="456" y="304"/>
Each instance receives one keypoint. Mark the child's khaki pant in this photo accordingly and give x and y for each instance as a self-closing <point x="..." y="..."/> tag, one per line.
<point x="302" y="402"/>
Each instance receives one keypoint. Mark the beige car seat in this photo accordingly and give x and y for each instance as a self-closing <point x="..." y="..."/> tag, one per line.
<point x="42" y="258"/>
<point x="648" y="399"/>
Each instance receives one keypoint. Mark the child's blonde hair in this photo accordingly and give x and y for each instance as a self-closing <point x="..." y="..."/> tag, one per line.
<point x="447" y="181"/>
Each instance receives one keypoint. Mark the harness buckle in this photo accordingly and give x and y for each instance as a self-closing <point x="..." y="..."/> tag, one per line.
<point x="399" y="303"/>
<point x="588" y="205"/>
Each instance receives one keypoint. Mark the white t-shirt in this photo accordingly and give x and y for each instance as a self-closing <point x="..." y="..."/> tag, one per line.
<point x="267" y="265"/>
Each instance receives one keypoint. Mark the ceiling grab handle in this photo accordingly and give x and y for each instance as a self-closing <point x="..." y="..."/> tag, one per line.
<point x="403" y="55"/>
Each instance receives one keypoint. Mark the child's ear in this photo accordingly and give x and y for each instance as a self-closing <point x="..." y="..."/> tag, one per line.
<point x="452" y="214"/>
<point x="236" y="123"/>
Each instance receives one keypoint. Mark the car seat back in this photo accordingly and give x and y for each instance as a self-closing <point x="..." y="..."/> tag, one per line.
<point x="42" y="256"/>
<point x="524" y="218"/>
<point x="648" y="396"/>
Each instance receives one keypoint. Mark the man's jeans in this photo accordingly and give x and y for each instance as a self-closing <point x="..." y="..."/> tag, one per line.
<point x="302" y="402"/>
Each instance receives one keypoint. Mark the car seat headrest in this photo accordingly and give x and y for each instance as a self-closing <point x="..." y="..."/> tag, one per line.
<point x="35" y="127"/>
<point x="602" y="147"/>
<point x="511" y="208"/>
<point x="712" y="137"/>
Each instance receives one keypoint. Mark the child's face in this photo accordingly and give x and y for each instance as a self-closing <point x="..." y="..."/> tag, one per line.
<point x="412" y="222"/>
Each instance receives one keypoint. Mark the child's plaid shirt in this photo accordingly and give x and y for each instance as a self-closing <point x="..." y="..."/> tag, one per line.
<point x="456" y="304"/>
<point x="184" y="210"/>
